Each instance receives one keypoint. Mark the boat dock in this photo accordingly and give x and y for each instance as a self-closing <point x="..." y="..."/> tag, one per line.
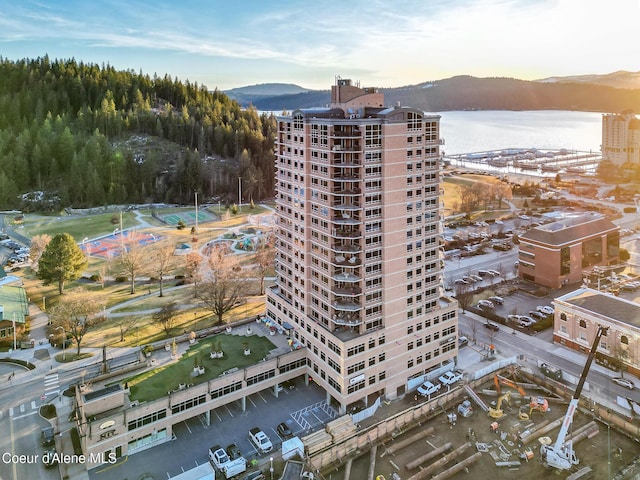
<point x="529" y="160"/>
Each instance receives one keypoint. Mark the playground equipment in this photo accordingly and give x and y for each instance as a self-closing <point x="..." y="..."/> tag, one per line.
<point x="497" y="412"/>
<point x="559" y="455"/>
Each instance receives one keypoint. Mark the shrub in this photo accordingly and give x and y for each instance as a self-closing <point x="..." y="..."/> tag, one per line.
<point x="96" y="277"/>
<point x="48" y="411"/>
<point x="122" y="279"/>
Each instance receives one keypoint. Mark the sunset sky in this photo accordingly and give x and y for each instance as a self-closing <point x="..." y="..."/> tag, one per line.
<point x="228" y="44"/>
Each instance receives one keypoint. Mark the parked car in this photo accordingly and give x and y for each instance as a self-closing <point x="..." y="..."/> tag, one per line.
<point x="233" y="451"/>
<point x="495" y="273"/>
<point x="428" y="388"/>
<point x="484" y="273"/>
<point x="49" y="458"/>
<point x="537" y="315"/>
<point x="463" y="342"/>
<point x="491" y="326"/>
<point x="477" y="278"/>
<point x="624" y="382"/>
<point x="513" y="318"/>
<point x="284" y="431"/>
<point x="460" y="281"/>
<point x="449" y="378"/>
<point x="485" y="304"/>
<point x="47" y="437"/>
<point x="545" y="309"/>
<point x="496" y="300"/>
<point x="258" y="475"/>
<point x="525" y="321"/>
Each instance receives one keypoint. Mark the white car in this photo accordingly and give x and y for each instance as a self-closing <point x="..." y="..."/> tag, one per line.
<point x="545" y="309"/>
<point x="449" y="378"/>
<point x="624" y="382"/>
<point x="428" y="388"/>
<point x="498" y="300"/>
<point x="485" y="304"/>
<point x="525" y="321"/>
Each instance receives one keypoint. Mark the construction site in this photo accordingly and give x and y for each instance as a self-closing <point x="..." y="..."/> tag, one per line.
<point x="511" y="424"/>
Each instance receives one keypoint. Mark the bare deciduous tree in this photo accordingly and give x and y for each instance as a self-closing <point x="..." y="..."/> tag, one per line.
<point x="265" y="259"/>
<point x="166" y="317"/>
<point x="77" y="313"/>
<point x="37" y="246"/>
<point x="193" y="263"/>
<point x="162" y="260"/>
<point x="225" y="285"/>
<point x="133" y="258"/>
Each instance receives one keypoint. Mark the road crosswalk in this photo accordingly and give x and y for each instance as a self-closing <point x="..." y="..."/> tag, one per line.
<point x="22" y="410"/>
<point x="51" y="385"/>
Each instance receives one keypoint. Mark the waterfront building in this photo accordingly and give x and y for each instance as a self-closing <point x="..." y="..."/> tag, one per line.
<point x="359" y="251"/>
<point x="621" y="138"/>
<point x="558" y="253"/>
<point x="576" y="319"/>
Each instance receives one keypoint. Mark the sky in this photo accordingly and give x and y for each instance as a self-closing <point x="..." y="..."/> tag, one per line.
<point x="381" y="43"/>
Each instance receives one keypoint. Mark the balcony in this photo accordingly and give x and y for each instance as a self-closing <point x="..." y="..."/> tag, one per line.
<point x="346" y="305"/>
<point x="347" y="322"/>
<point x="347" y="233"/>
<point x="349" y="260"/>
<point x="345" y="247"/>
<point x="343" y="289"/>
<point x="346" y="277"/>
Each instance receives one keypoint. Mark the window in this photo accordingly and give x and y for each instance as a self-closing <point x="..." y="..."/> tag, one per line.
<point x="582" y="323"/>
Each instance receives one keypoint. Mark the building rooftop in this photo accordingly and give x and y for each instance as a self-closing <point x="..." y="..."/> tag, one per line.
<point x="103" y="392"/>
<point x="569" y="230"/>
<point x="605" y="305"/>
<point x="13" y="304"/>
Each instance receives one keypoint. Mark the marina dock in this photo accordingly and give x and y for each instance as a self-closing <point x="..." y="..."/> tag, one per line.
<point x="531" y="161"/>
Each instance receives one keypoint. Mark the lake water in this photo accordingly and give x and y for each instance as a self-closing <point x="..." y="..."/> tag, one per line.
<point x="478" y="131"/>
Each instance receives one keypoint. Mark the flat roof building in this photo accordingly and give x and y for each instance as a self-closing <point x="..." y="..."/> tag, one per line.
<point x="558" y="253"/>
<point x="577" y="316"/>
<point x="359" y="261"/>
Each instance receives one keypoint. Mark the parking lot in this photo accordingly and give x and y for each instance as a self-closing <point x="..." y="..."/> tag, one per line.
<point x="302" y="408"/>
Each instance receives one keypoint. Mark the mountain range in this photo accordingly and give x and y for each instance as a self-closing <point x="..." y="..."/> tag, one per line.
<point x="613" y="93"/>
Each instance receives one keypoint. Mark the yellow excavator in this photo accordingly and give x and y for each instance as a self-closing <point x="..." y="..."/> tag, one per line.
<point x="497" y="412"/>
<point x="539" y="404"/>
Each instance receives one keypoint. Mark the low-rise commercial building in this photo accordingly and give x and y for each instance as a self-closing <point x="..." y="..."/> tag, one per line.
<point x="576" y="319"/>
<point x="558" y="253"/>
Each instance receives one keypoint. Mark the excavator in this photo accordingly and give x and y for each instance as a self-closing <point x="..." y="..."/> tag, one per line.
<point x="539" y="404"/>
<point x="498" y="412"/>
<point x="561" y="455"/>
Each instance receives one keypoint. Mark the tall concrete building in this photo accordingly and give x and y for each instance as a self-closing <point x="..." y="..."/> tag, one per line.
<point x="359" y="261"/>
<point x="621" y="138"/>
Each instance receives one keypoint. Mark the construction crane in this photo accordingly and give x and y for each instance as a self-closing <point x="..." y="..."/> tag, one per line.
<point x="559" y="455"/>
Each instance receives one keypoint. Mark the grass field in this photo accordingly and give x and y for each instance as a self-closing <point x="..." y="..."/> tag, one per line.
<point x="451" y="196"/>
<point x="78" y="227"/>
<point x="155" y="384"/>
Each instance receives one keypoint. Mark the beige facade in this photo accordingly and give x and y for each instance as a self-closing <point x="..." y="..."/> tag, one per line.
<point x="621" y="138"/>
<point x="576" y="319"/>
<point x="558" y="253"/>
<point x="359" y="263"/>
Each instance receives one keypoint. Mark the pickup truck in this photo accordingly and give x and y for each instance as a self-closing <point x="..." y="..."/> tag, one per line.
<point x="260" y="440"/>
<point x="222" y="462"/>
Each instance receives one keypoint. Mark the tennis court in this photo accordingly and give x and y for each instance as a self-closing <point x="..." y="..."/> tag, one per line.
<point x="188" y="218"/>
<point x="111" y="245"/>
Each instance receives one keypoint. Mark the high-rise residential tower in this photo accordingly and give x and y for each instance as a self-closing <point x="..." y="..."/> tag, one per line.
<point x="359" y="259"/>
<point x="621" y="138"/>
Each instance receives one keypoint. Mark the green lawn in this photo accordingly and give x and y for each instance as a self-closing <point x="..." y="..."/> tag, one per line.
<point x="78" y="227"/>
<point x="154" y="384"/>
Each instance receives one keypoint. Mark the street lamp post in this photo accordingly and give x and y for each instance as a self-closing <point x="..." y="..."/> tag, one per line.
<point x="240" y="193"/>
<point x="271" y="467"/>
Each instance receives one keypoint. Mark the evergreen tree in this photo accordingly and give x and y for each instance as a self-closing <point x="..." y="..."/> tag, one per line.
<point x="61" y="261"/>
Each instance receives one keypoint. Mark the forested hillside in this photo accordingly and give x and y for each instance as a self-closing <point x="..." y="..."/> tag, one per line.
<point x="471" y="93"/>
<point x="88" y="135"/>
